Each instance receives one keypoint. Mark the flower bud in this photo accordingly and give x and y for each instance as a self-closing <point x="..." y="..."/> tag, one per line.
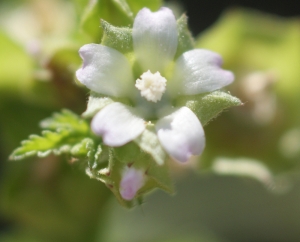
<point x="132" y="180"/>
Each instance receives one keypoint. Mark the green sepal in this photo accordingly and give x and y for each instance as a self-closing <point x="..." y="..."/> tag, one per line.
<point x="128" y="153"/>
<point x="208" y="106"/>
<point x="117" y="12"/>
<point x="95" y="103"/>
<point x="117" y="38"/>
<point x="185" y="39"/>
<point x="98" y="158"/>
<point x="83" y="148"/>
<point x="160" y="176"/>
<point x="64" y="131"/>
<point x="156" y="176"/>
<point x="149" y="143"/>
<point x="111" y="176"/>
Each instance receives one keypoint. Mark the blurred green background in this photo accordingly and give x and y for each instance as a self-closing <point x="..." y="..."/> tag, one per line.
<point x="245" y="186"/>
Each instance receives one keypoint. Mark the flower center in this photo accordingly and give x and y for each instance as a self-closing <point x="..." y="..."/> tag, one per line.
<point x="152" y="86"/>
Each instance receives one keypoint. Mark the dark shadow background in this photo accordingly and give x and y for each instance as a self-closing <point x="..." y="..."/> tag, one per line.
<point x="203" y="14"/>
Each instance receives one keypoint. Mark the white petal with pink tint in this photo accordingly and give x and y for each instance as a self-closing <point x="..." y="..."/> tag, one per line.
<point x="105" y="71"/>
<point x="132" y="180"/>
<point x="198" y="71"/>
<point x="117" y="124"/>
<point x="154" y="38"/>
<point x="181" y="134"/>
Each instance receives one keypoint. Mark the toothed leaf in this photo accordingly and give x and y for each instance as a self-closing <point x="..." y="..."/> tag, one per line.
<point x="65" y="120"/>
<point x="65" y="130"/>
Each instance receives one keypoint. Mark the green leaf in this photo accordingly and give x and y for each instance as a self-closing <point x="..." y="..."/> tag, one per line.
<point x="149" y="143"/>
<point x="208" y="106"/>
<point x="56" y="142"/>
<point x="65" y="130"/>
<point x="185" y="39"/>
<point x="117" y="38"/>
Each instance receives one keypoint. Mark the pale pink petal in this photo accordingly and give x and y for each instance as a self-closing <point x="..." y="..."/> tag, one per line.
<point x="132" y="181"/>
<point x="117" y="124"/>
<point x="154" y="38"/>
<point x="181" y="134"/>
<point x="198" y="71"/>
<point x="105" y="71"/>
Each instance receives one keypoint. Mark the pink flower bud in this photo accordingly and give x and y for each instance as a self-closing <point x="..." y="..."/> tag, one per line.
<point x="132" y="181"/>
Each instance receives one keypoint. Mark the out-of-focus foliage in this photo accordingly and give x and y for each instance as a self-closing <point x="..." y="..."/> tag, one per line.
<point x="263" y="50"/>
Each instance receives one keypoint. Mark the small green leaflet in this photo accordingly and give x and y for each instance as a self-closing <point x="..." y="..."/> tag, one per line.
<point x="208" y="106"/>
<point x="117" y="38"/>
<point x="65" y="120"/>
<point x="62" y="133"/>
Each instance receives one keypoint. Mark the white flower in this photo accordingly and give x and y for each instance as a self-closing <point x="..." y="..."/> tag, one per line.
<point x="108" y="72"/>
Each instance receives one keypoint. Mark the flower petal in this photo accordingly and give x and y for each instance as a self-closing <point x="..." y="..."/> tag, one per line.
<point x="198" y="71"/>
<point x="105" y="70"/>
<point x="132" y="181"/>
<point x="181" y="134"/>
<point x="117" y="124"/>
<point x="154" y="38"/>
